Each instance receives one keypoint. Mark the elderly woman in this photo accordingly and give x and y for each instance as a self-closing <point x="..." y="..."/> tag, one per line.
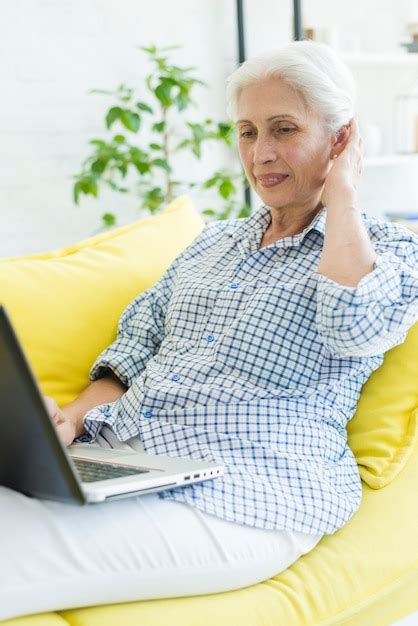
<point x="251" y="351"/>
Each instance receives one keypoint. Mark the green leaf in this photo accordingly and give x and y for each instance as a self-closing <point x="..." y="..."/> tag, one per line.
<point x="85" y="184"/>
<point x="196" y="151"/>
<point x="112" y="115"/>
<point x="93" y="189"/>
<point x="162" y="163"/>
<point x="130" y="120"/>
<point x="101" y="91"/>
<point x="123" y="168"/>
<point x="111" y="184"/>
<point x="224" y="128"/>
<point x="142" y="167"/>
<point x="109" y="219"/>
<point x="211" y="182"/>
<point x="155" y="146"/>
<point x="155" y="192"/>
<point x="226" y="189"/>
<point x="182" y="144"/>
<point x="245" y="211"/>
<point x="137" y="154"/>
<point x="139" y="158"/>
<point x="182" y="102"/>
<point x="124" y="93"/>
<point x="119" y="139"/>
<point x="98" y="167"/>
<point x="163" y="92"/>
<point x="149" y="49"/>
<point x="172" y="47"/>
<point x="76" y="192"/>
<point x="153" y="199"/>
<point x="115" y="187"/>
<point x="98" y="142"/>
<point x="159" y="127"/>
<point x="144" y="107"/>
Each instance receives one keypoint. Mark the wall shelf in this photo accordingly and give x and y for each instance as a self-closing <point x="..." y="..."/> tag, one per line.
<point x="390" y="159"/>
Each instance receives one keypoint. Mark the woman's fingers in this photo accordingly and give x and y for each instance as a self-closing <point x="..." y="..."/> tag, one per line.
<point x="53" y="409"/>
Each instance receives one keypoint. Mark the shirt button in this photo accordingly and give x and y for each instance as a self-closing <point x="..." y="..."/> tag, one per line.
<point x="107" y="414"/>
<point x="211" y="337"/>
<point x="147" y="413"/>
<point x="233" y="285"/>
<point x="175" y="377"/>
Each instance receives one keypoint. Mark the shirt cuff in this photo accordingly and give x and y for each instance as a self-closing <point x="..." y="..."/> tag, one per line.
<point x="94" y="419"/>
<point x="114" y="364"/>
<point x="382" y="284"/>
<point x="116" y="415"/>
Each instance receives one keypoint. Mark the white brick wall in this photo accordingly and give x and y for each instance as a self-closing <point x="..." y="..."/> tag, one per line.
<point x="52" y="52"/>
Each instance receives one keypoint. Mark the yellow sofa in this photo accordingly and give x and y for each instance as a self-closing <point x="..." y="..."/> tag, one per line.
<point x="65" y="306"/>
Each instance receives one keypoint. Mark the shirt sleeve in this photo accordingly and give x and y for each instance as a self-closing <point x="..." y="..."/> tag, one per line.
<point x="140" y="332"/>
<point x="141" y="327"/>
<point x="374" y="316"/>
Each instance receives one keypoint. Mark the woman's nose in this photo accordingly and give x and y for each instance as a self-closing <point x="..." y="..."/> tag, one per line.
<point x="264" y="151"/>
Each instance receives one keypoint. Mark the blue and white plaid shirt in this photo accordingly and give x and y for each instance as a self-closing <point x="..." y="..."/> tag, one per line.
<point x="249" y="358"/>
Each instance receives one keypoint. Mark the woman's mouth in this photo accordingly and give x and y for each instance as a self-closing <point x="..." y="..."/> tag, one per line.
<point x="271" y="180"/>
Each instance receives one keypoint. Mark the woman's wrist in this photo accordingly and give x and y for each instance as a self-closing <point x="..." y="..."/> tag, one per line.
<point x="75" y="418"/>
<point x="346" y="199"/>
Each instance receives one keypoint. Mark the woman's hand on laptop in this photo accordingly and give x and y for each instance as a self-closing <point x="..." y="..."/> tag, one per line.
<point x="69" y="420"/>
<point x="64" y="425"/>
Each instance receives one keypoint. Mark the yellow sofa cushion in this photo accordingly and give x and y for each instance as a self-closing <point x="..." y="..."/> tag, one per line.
<point x="383" y="430"/>
<point x="65" y="305"/>
<point x="41" y="619"/>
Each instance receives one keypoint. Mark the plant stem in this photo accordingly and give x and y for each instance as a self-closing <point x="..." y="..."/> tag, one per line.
<point x="169" y="183"/>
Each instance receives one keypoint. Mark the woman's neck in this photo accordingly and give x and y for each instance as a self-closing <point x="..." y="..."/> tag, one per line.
<point x="285" y="223"/>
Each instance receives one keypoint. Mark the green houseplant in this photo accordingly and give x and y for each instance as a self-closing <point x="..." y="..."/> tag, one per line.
<point x="161" y="112"/>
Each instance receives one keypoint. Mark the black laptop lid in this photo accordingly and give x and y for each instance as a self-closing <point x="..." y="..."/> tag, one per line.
<point x="32" y="457"/>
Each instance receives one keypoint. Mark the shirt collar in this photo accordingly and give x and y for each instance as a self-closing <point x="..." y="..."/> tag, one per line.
<point x="254" y="226"/>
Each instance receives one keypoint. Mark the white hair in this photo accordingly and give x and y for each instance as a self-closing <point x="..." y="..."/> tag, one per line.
<point x="313" y="69"/>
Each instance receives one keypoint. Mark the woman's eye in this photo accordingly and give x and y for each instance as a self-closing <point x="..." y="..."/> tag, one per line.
<point x="287" y="130"/>
<point x="246" y="133"/>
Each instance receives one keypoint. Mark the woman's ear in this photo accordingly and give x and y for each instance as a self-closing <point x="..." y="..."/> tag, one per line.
<point x="341" y="138"/>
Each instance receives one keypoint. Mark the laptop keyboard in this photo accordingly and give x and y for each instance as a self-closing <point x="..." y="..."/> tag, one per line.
<point x="91" y="472"/>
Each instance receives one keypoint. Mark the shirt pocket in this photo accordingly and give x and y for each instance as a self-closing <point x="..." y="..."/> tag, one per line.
<point x="274" y="343"/>
<point x="188" y="311"/>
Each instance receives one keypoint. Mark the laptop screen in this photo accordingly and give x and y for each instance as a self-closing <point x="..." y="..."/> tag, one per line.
<point x="32" y="457"/>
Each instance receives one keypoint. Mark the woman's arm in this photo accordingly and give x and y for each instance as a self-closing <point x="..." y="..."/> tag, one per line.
<point x="69" y="419"/>
<point x="367" y="293"/>
<point x="348" y="254"/>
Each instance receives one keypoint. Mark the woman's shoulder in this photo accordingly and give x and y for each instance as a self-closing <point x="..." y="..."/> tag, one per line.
<point x="211" y="233"/>
<point x="380" y="229"/>
<point x="393" y="239"/>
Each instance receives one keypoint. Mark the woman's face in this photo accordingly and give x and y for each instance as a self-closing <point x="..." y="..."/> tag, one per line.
<point x="280" y="136"/>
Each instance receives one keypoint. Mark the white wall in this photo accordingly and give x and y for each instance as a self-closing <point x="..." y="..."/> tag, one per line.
<point x="52" y="53"/>
<point x="411" y="620"/>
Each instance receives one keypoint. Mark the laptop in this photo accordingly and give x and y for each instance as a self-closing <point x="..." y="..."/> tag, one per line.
<point x="34" y="461"/>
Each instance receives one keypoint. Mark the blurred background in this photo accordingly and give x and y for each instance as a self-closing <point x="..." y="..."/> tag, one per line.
<point x="52" y="54"/>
